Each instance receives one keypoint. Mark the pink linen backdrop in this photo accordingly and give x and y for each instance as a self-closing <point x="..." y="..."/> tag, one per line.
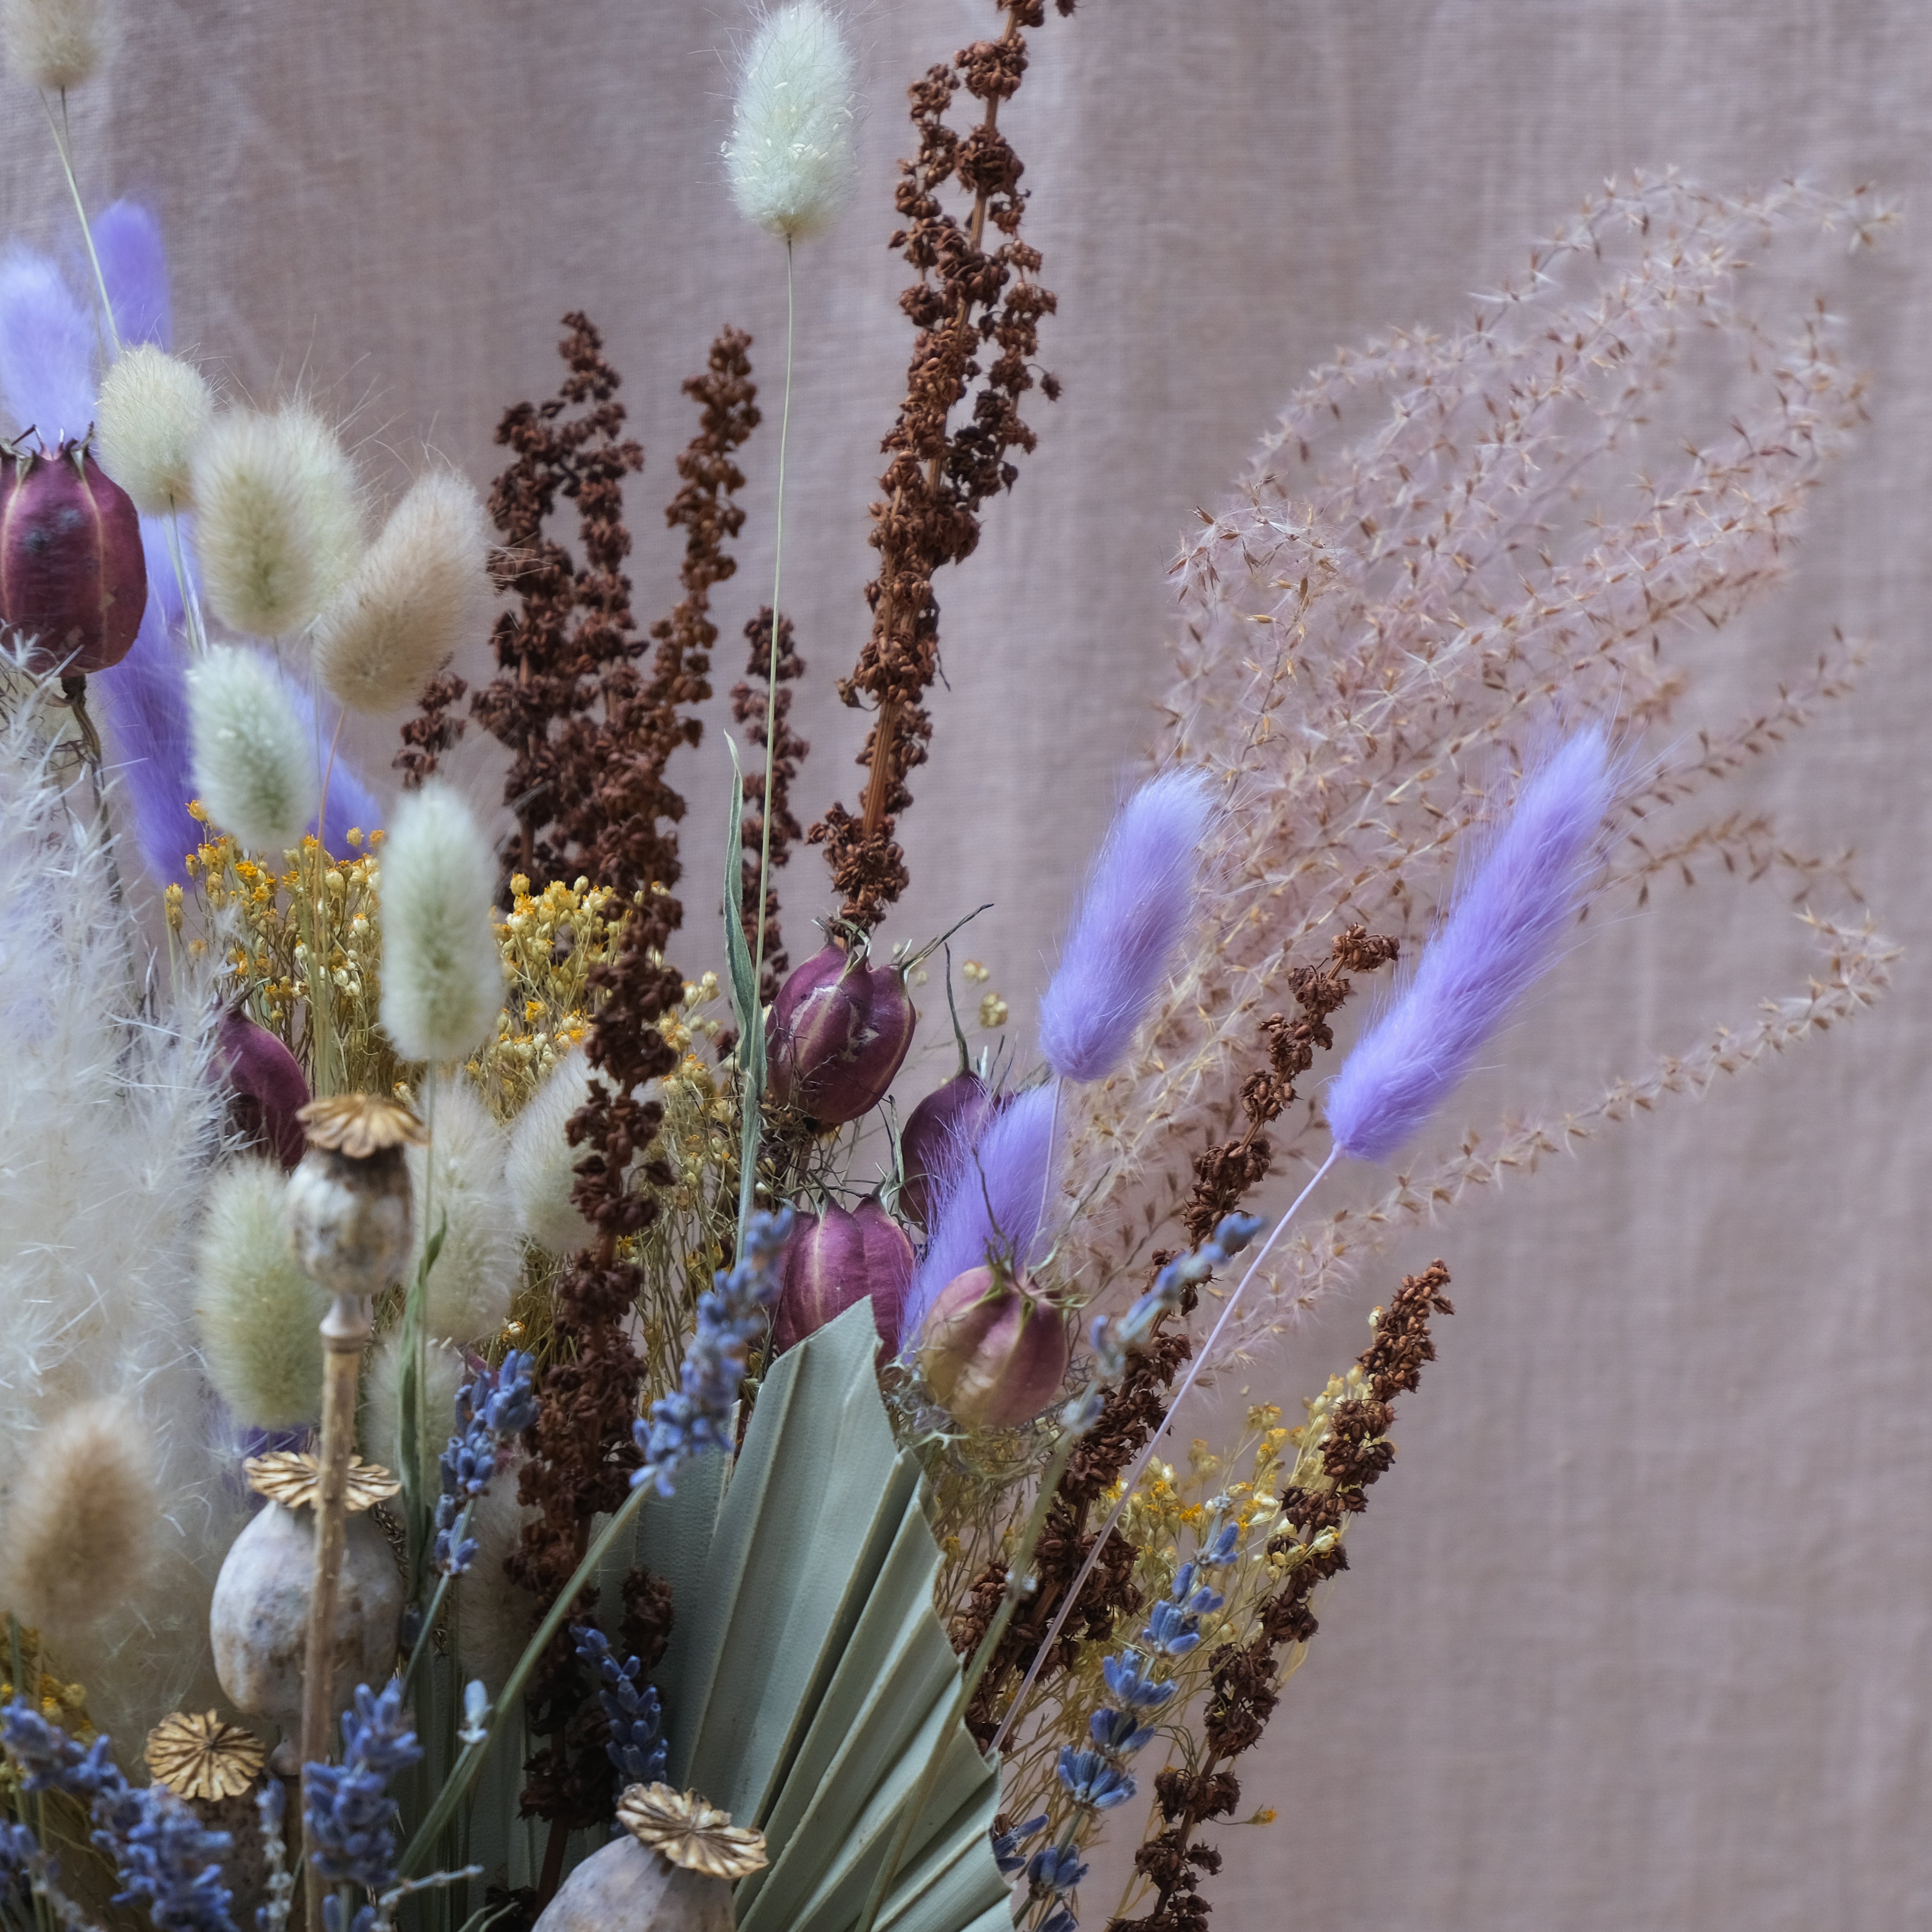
<point x="1638" y="1630"/>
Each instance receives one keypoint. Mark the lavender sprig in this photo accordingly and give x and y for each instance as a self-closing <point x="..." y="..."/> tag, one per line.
<point x="491" y="1412"/>
<point x="351" y="1815"/>
<point x="167" y="1860"/>
<point x="1097" y="1778"/>
<point x="731" y="1317"/>
<point x="637" y="1746"/>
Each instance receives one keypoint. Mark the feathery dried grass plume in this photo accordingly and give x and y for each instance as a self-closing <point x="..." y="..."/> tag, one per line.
<point x="541" y="1171"/>
<point x="1496" y="941"/>
<point x="442" y="976"/>
<point x="257" y="1312"/>
<point x="789" y="155"/>
<point x="459" y="1175"/>
<point x="280" y="525"/>
<point x="422" y="588"/>
<point x="378" y="1428"/>
<point x="154" y="410"/>
<point x="108" y="1119"/>
<point x="56" y="44"/>
<point x="1132" y="918"/>
<point x="254" y="768"/>
<point x="1459" y="530"/>
<point x="78" y="1529"/>
<point x="46" y="348"/>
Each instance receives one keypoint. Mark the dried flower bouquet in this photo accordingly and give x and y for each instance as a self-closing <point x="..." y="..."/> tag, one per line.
<point x="527" y="1438"/>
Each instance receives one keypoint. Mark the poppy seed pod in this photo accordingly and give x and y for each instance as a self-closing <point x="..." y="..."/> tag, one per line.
<point x="73" y="577"/>
<point x="949" y="1117"/>
<point x="993" y="1353"/>
<point x="349" y="1198"/>
<point x="837" y="1257"/>
<point x="837" y="1035"/>
<point x="266" y="1088"/>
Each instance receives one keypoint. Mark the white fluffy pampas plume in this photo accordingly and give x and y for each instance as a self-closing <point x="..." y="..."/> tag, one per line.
<point x="53" y="44"/>
<point x="541" y="1169"/>
<point x="254" y="766"/>
<point x="257" y="1312"/>
<point x="280" y="523"/>
<point x="154" y="409"/>
<point x="107" y="1119"/>
<point x="458" y="1185"/>
<point x="423" y="587"/>
<point x="443" y="977"/>
<point x="789" y="155"/>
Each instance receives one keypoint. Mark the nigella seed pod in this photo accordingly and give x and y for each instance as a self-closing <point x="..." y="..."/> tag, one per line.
<point x="74" y="577"/>
<point x="837" y="1257"/>
<point x="266" y="1088"/>
<point x="993" y="1353"/>
<point x="837" y="1035"/>
<point x="948" y="1118"/>
<point x="349" y="1198"/>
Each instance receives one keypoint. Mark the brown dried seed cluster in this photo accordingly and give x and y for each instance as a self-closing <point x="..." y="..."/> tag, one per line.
<point x="1243" y="1687"/>
<point x="977" y="310"/>
<point x="751" y="702"/>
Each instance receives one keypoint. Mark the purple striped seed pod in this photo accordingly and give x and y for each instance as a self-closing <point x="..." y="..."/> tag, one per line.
<point x="946" y="1122"/>
<point x="835" y="1258"/>
<point x="993" y="1353"/>
<point x="74" y="577"/>
<point x="838" y="1036"/>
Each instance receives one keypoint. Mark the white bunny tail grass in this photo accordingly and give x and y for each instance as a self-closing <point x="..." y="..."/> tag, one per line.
<point x="421" y="590"/>
<point x="257" y="1312"/>
<point x="56" y="44"/>
<point x="494" y="1617"/>
<point x="789" y="155"/>
<point x="541" y="1169"/>
<point x="108" y="1121"/>
<point x="154" y="408"/>
<point x="458" y="1184"/>
<point x="254" y="765"/>
<point x="80" y="1526"/>
<point x="379" y="1427"/>
<point x="442" y="977"/>
<point x="280" y="523"/>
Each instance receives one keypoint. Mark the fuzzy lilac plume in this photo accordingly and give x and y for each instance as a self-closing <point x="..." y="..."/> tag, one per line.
<point x="134" y="266"/>
<point x="1497" y="940"/>
<point x="46" y="348"/>
<point x="1138" y="898"/>
<point x="988" y="1200"/>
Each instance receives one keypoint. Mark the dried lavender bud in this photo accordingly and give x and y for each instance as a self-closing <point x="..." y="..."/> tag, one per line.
<point x="266" y="1088"/>
<point x="837" y="1035"/>
<point x="837" y="1257"/>
<point x="73" y="577"/>
<point x="944" y="1124"/>
<point x="993" y="1353"/>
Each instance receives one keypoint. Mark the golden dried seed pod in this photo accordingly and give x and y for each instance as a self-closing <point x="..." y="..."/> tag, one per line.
<point x="690" y="1833"/>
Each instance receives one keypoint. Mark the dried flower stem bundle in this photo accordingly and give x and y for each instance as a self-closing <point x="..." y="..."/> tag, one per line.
<point x="967" y="298"/>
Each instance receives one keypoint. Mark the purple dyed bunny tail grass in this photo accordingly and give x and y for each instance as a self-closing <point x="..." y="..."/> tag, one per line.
<point x="1136" y="909"/>
<point x="46" y="348"/>
<point x="987" y="1201"/>
<point x="1498" y="938"/>
<point x="134" y="266"/>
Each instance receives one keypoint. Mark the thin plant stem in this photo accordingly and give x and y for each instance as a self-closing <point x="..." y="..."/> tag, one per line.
<point x="1141" y="1461"/>
<point x="58" y="130"/>
<point x="197" y="630"/>
<point x="753" y="1103"/>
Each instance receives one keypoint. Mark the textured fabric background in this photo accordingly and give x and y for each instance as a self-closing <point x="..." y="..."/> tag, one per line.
<point x="1637" y="1633"/>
